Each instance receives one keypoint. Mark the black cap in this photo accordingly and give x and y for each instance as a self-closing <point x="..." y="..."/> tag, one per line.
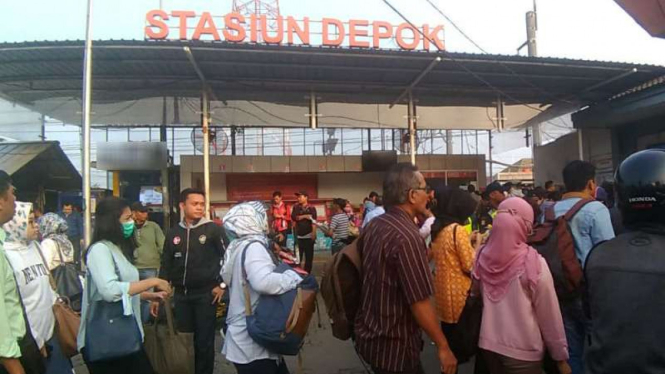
<point x="303" y="192"/>
<point x="494" y="186"/>
<point x="139" y="207"/>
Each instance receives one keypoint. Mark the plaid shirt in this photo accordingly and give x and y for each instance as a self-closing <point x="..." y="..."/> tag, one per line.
<point x="395" y="276"/>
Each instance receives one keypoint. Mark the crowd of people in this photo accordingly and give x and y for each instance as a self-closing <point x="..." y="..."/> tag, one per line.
<point x="423" y="250"/>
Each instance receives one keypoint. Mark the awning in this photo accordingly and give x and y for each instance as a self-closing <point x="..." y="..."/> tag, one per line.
<point x="33" y="165"/>
<point x="650" y="14"/>
<point x="139" y="83"/>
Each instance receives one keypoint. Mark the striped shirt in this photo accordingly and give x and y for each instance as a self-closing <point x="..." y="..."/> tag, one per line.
<point x="339" y="224"/>
<point x="395" y="276"/>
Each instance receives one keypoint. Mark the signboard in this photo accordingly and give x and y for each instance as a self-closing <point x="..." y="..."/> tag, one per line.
<point x="515" y="176"/>
<point x="151" y="195"/>
<point x="131" y="156"/>
<point x="331" y="32"/>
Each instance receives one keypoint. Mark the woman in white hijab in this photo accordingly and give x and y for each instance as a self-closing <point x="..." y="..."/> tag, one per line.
<point x="247" y="226"/>
<point x="32" y="276"/>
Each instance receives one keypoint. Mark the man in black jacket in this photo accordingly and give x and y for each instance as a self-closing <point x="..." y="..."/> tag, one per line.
<point x="191" y="261"/>
<point x="626" y="276"/>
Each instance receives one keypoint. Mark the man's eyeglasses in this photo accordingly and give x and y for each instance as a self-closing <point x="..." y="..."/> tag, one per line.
<point x="427" y="189"/>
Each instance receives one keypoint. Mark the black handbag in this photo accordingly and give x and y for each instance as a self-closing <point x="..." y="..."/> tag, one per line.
<point x="463" y="338"/>
<point x="67" y="282"/>
<point x="109" y="333"/>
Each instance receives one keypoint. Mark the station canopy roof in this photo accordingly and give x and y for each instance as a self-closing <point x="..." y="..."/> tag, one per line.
<point x="149" y="83"/>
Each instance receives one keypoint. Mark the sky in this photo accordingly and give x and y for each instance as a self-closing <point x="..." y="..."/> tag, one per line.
<point x="578" y="29"/>
<point x="581" y="29"/>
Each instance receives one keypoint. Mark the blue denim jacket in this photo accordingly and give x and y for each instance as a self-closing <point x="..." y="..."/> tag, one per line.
<point x="74" y="224"/>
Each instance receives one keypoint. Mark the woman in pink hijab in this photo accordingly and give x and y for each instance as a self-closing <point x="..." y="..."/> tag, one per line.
<point x="521" y="316"/>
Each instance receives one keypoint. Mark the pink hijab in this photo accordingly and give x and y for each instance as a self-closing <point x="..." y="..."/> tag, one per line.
<point x="506" y="255"/>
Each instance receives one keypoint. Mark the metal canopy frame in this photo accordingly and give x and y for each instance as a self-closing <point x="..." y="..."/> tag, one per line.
<point x="130" y="70"/>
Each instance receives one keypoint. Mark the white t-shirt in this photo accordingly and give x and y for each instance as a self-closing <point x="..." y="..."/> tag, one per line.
<point x="50" y="251"/>
<point x="35" y="290"/>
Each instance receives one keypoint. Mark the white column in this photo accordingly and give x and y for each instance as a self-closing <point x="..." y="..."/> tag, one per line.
<point x="205" y="117"/>
<point x="87" y="97"/>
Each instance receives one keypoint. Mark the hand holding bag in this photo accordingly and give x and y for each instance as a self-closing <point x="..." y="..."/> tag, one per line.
<point x="110" y="334"/>
<point x="169" y="351"/>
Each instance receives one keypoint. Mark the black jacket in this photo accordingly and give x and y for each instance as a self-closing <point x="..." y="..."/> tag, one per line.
<point x="192" y="256"/>
<point x="626" y="302"/>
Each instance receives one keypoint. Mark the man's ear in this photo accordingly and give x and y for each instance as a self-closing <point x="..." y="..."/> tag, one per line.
<point x="409" y="197"/>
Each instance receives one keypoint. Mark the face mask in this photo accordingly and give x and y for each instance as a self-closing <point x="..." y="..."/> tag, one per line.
<point x="128" y="229"/>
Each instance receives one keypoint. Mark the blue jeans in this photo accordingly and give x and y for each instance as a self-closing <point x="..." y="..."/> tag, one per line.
<point x="577" y="328"/>
<point x="145" y="305"/>
<point x="56" y="363"/>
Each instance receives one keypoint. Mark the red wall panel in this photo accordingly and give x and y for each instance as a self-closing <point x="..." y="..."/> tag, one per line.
<point x="243" y="187"/>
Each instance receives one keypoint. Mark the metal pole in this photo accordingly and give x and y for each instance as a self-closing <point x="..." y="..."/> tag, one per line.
<point x="313" y="114"/>
<point x="580" y="144"/>
<point x="449" y="142"/>
<point x="412" y="129"/>
<point x="499" y="113"/>
<point x="531" y="28"/>
<point x="477" y="142"/>
<point x="87" y="91"/>
<point x="206" y="149"/>
<point x="43" y="136"/>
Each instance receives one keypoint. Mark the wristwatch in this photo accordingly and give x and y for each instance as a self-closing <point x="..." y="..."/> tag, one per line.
<point x="222" y="285"/>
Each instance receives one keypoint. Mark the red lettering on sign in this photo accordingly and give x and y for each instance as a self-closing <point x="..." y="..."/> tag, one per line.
<point x="354" y="32"/>
<point x="234" y="22"/>
<point x="182" y="25"/>
<point x="381" y="30"/>
<point x="400" y="38"/>
<point x="326" y="22"/>
<point x="279" y="33"/>
<point x="253" y="28"/>
<point x="293" y="27"/>
<point x="206" y="26"/>
<point x="433" y="35"/>
<point x="153" y="21"/>
<point x="237" y="28"/>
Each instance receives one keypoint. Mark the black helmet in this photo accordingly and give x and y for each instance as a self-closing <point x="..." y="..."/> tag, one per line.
<point x="640" y="185"/>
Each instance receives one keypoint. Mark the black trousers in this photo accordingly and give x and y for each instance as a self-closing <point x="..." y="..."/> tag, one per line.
<point x="306" y="248"/>
<point x="194" y="312"/>
<point x="76" y="244"/>
<point x="134" y="364"/>
<point x="265" y="366"/>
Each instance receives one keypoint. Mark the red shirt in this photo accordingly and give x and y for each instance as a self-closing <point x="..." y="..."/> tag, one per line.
<point x="280" y="224"/>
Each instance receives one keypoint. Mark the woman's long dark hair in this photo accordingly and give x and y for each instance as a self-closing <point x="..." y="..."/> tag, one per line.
<point x="108" y="227"/>
<point x="452" y="206"/>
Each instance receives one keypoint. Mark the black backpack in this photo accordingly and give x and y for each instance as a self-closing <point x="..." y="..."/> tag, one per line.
<point x="554" y="241"/>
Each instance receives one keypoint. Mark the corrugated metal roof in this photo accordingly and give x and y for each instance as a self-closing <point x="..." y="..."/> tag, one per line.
<point x="14" y="156"/>
<point x="33" y="164"/>
<point x="130" y="70"/>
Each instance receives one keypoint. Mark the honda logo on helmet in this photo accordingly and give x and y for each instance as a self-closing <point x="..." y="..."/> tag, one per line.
<point x="643" y="199"/>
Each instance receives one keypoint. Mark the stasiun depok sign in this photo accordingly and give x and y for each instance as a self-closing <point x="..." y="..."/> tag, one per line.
<point x="237" y="28"/>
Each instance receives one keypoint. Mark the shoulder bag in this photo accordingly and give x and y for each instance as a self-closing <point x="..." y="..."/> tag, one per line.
<point x="67" y="320"/>
<point x="109" y="333"/>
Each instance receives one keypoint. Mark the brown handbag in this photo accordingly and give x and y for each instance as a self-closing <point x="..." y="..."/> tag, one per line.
<point x="169" y="350"/>
<point x="67" y="321"/>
